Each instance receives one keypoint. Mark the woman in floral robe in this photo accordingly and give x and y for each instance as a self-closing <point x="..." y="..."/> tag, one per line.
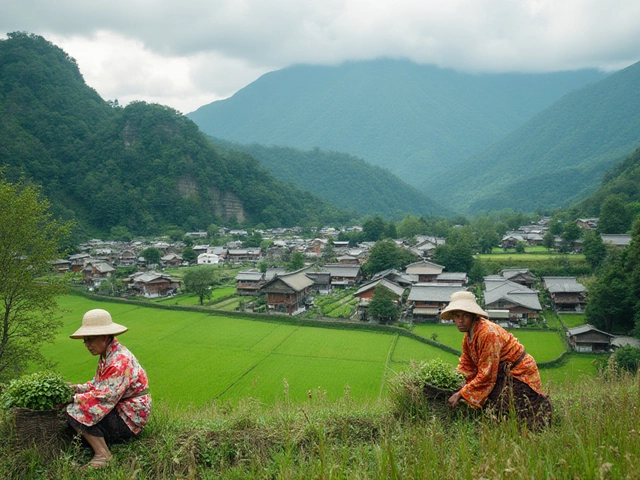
<point x="114" y="405"/>
<point x="498" y="372"/>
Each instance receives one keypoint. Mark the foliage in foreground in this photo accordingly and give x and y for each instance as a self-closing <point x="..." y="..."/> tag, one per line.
<point x="30" y="238"/>
<point x="321" y="439"/>
<point x="37" y="391"/>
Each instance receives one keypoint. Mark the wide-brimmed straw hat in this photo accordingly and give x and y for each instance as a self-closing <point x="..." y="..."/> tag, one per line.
<point x="464" y="301"/>
<point x="98" y="322"/>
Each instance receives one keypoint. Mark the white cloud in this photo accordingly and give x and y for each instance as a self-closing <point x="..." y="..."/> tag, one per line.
<point x="188" y="53"/>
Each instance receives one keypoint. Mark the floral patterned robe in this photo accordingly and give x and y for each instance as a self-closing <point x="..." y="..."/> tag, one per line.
<point x="118" y="383"/>
<point x="491" y="344"/>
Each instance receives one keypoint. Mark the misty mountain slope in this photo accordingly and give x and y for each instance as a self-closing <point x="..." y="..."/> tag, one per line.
<point x="412" y="119"/>
<point x="558" y="156"/>
<point x="343" y="180"/>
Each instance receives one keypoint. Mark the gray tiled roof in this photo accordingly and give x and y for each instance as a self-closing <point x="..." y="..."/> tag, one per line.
<point x="431" y="292"/>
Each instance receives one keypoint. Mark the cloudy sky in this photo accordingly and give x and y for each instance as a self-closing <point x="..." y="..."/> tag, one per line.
<point x="191" y="52"/>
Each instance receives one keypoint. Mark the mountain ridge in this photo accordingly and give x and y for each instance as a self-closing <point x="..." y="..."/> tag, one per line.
<point x="412" y="119"/>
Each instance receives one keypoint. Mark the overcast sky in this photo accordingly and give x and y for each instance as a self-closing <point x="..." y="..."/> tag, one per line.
<point x="191" y="52"/>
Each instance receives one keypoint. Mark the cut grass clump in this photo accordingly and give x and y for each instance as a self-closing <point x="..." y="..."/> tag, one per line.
<point x="423" y="387"/>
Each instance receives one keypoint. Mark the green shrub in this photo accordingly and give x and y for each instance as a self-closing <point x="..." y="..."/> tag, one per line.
<point x="38" y="391"/>
<point x="407" y="389"/>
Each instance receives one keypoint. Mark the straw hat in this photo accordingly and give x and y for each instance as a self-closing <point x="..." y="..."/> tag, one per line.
<point x="465" y="301"/>
<point x="98" y="322"/>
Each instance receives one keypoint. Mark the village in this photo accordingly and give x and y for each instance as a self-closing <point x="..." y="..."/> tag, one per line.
<point x="514" y="298"/>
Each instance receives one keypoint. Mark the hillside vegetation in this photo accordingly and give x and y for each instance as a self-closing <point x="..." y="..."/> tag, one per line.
<point x="415" y="120"/>
<point x="556" y="158"/>
<point x="143" y="168"/>
<point x="342" y="180"/>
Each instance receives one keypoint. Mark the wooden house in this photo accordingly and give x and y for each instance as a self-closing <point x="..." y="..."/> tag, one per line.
<point x="249" y="282"/>
<point x="424" y="270"/>
<point x="521" y="302"/>
<point x="567" y="295"/>
<point x="288" y="293"/>
<point x="343" y="275"/>
<point x="152" y="284"/>
<point x="428" y="299"/>
<point x="588" y="339"/>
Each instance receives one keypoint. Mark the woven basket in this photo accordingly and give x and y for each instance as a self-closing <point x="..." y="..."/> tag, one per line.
<point x="45" y="430"/>
<point x="435" y="393"/>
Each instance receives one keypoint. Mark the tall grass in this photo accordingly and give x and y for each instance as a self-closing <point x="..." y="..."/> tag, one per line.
<point x="595" y="435"/>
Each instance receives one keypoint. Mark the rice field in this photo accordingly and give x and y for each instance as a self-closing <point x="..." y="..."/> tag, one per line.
<point x="543" y="345"/>
<point x="194" y="358"/>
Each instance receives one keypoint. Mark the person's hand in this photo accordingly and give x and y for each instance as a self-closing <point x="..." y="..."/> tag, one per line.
<point x="454" y="399"/>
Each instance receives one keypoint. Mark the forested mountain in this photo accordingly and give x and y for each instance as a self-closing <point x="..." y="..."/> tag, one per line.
<point x="413" y="119"/>
<point x="557" y="157"/>
<point x="341" y="179"/>
<point x="144" y="167"/>
<point x="622" y="180"/>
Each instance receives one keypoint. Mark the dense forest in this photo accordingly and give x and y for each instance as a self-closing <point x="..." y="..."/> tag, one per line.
<point x="143" y="168"/>
<point x="343" y="180"/>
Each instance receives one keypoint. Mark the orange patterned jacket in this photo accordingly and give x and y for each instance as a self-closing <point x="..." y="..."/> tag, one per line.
<point x="491" y="344"/>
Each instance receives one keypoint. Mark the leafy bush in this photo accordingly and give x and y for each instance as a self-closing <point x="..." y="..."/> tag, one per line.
<point x="407" y="389"/>
<point x="38" y="391"/>
<point x="628" y="358"/>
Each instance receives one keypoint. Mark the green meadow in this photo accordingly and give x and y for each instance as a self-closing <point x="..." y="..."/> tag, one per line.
<point x="196" y="358"/>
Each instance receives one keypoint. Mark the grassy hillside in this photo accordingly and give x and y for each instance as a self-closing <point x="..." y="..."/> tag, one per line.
<point x="414" y="120"/>
<point x="343" y="180"/>
<point x="557" y="157"/>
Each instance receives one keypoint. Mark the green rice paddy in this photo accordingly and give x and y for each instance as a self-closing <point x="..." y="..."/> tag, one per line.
<point x="194" y="358"/>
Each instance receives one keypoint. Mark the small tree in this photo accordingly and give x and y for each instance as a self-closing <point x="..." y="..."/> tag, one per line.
<point x="151" y="256"/>
<point x="189" y="254"/>
<point x="199" y="280"/>
<point x="296" y="262"/>
<point x="382" y="305"/>
<point x="549" y="240"/>
<point x="29" y="240"/>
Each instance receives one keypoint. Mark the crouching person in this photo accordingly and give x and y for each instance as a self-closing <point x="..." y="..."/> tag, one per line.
<point x="499" y="374"/>
<point x="115" y="405"/>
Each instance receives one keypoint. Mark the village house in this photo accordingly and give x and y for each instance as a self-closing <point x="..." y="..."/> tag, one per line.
<point x="61" y="266"/>
<point x="243" y="255"/>
<point x="567" y="295"/>
<point x="424" y="271"/>
<point x="519" y="275"/>
<point x="587" y="223"/>
<point x="249" y="282"/>
<point x="208" y="259"/>
<point x="344" y="275"/>
<point x="521" y="303"/>
<point x="78" y="261"/>
<point x="428" y="299"/>
<point x="287" y="293"/>
<point x="171" y="260"/>
<point x="127" y="258"/>
<point x="348" y="260"/>
<point x="321" y="282"/>
<point x="458" y="279"/>
<point x="395" y="276"/>
<point x="95" y="272"/>
<point x="152" y="284"/>
<point x="588" y="339"/>
<point x="617" y="240"/>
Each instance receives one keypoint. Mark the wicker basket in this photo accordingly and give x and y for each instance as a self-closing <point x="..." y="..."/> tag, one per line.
<point x="436" y="393"/>
<point x="45" y="430"/>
